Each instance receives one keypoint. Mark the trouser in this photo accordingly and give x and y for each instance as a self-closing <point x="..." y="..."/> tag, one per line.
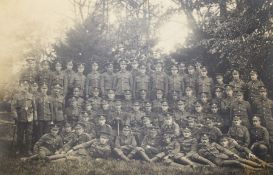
<point x="43" y="127"/>
<point x="24" y="134"/>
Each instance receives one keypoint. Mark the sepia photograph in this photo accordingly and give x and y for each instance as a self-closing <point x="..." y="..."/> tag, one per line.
<point x="136" y="87"/>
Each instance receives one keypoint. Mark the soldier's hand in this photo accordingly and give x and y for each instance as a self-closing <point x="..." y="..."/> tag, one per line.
<point x="251" y="156"/>
<point x="148" y="146"/>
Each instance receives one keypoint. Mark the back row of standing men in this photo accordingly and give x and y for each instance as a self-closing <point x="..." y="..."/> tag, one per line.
<point x="186" y="94"/>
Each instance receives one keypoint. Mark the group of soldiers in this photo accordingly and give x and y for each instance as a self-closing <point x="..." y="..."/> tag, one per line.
<point x="177" y="115"/>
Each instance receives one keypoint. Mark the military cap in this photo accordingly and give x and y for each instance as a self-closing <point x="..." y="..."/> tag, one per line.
<point x="127" y="92"/>
<point x="134" y="61"/>
<point x="186" y="130"/>
<point x="218" y="75"/>
<point x="190" y="118"/>
<point x="204" y="69"/>
<point x="204" y="93"/>
<point x="237" y="117"/>
<point x="235" y="72"/>
<point x="148" y="104"/>
<point x="164" y="102"/>
<point x="81" y="64"/>
<point x="101" y="117"/>
<point x="105" y="134"/>
<point x="104" y="102"/>
<point x="158" y="61"/>
<point x="118" y="103"/>
<point x="188" y="88"/>
<point x="256" y="117"/>
<point x="34" y="84"/>
<point x="190" y="67"/>
<point x="44" y="86"/>
<point x="174" y="67"/>
<point x="262" y="89"/>
<point x="169" y="115"/>
<point x="180" y="102"/>
<point x="67" y="125"/>
<point x="79" y="125"/>
<point x="142" y="66"/>
<point x="204" y="136"/>
<point x="54" y="127"/>
<point x="29" y="59"/>
<point x="96" y="89"/>
<point x="252" y="72"/>
<point x="152" y="128"/>
<point x="197" y="103"/>
<point x="218" y="89"/>
<point x="94" y="63"/>
<point x="229" y="87"/>
<point x="109" y="64"/>
<point x="24" y="82"/>
<point x="136" y="103"/>
<point x="239" y="93"/>
<point x="58" y="63"/>
<point x="69" y="62"/>
<point x="110" y="91"/>
<point x="213" y="105"/>
<point x="127" y="127"/>
<point x="122" y="61"/>
<point x="159" y="91"/>
<point x="58" y="86"/>
<point x="145" y="117"/>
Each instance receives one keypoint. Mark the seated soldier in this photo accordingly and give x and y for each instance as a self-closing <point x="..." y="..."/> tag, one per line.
<point x="239" y="132"/>
<point x="245" y="155"/>
<point x="150" y="145"/>
<point x="88" y="125"/>
<point x="125" y="144"/>
<point x="47" y="145"/>
<point x="78" y="138"/>
<point x="216" y="116"/>
<point x="180" y="113"/>
<point x="169" y="149"/>
<point x="218" y="154"/>
<point x="170" y="126"/>
<point x="144" y="128"/>
<point x="67" y="133"/>
<point x="210" y="129"/>
<point x="188" y="150"/>
<point x="259" y="138"/>
<point x="96" y="148"/>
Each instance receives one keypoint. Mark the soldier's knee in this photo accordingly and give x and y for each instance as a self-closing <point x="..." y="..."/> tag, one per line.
<point x="260" y="149"/>
<point x="139" y="149"/>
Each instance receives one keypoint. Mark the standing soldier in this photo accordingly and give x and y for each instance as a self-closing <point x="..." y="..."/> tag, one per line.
<point x="237" y="83"/>
<point x="253" y="86"/>
<point x="123" y="80"/>
<point x="58" y="106"/>
<point x="216" y="116"/>
<point x="239" y="132"/>
<point x="182" y="69"/>
<point x="45" y="74"/>
<point x="95" y="99"/>
<point x="24" y="111"/>
<point x="79" y="79"/>
<point x="190" y="79"/>
<point x="58" y="77"/>
<point x="220" y="81"/>
<point x="159" y="80"/>
<point x="69" y="77"/>
<point x="243" y="108"/>
<point x="264" y="107"/>
<point x="141" y="82"/>
<point x="135" y="66"/>
<point x="205" y="101"/>
<point x="92" y="80"/>
<point x="107" y="79"/>
<point x="226" y="107"/>
<point x="126" y="104"/>
<point x="175" y="82"/>
<point x="189" y="99"/>
<point x="204" y="83"/>
<point x="30" y="73"/>
<point x="102" y="126"/>
<point x="44" y="108"/>
<point x="211" y="130"/>
<point x="157" y="101"/>
<point x="198" y="113"/>
<point x="125" y="144"/>
<point x="73" y="111"/>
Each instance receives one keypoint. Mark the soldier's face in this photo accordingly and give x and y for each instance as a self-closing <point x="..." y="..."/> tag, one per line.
<point x="153" y="133"/>
<point x="118" y="107"/>
<point x="218" y="93"/>
<point x="54" y="131"/>
<point x="76" y="92"/>
<point x="34" y="88"/>
<point x="240" y="97"/>
<point x="256" y="122"/>
<point x="174" y="71"/>
<point x="142" y="70"/>
<point x="96" y="93"/>
<point x="136" y="107"/>
<point x="105" y="106"/>
<point x="191" y="71"/>
<point x="187" y="134"/>
<point x="182" y="67"/>
<point x="253" y="76"/>
<point x="57" y="91"/>
<point x="80" y="69"/>
<point x="103" y="140"/>
<point x="126" y="132"/>
<point x="148" y="108"/>
<point x="204" y="98"/>
<point x="147" y="122"/>
<point x="181" y="107"/>
<point x="68" y="129"/>
<point x="45" y="66"/>
<point x="44" y="91"/>
<point x="128" y="96"/>
<point x="134" y="65"/>
<point x="123" y="66"/>
<point x="159" y="95"/>
<point x="263" y="94"/>
<point x="236" y="76"/>
<point x="95" y="66"/>
<point x="165" y="107"/>
<point x="79" y="131"/>
<point x="189" y="92"/>
<point x="158" y="67"/>
<point x="69" y="66"/>
<point x="219" y="80"/>
<point x="58" y="67"/>
<point x="191" y="124"/>
<point x="198" y="108"/>
<point x="167" y="140"/>
<point x="143" y="94"/>
<point x="229" y="92"/>
<point x="214" y="109"/>
<point x="237" y="122"/>
<point x="168" y="121"/>
<point x="204" y="140"/>
<point x="111" y="95"/>
<point x="102" y="122"/>
<point x="110" y="68"/>
<point x="224" y="142"/>
<point x="88" y="107"/>
<point x="204" y="73"/>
